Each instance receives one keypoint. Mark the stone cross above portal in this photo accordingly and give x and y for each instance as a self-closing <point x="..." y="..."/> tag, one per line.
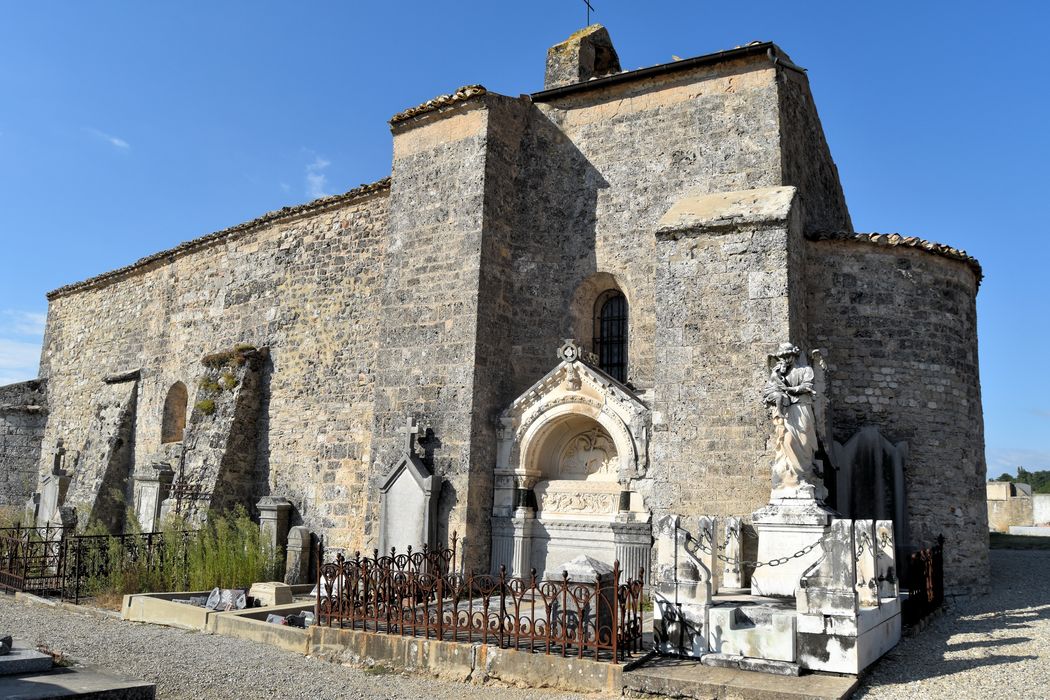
<point x="411" y="430"/>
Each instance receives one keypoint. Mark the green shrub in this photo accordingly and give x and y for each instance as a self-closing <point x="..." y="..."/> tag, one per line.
<point x="208" y="384"/>
<point x="228" y="552"/>
<point x="205" y="406"/>
<point x="228" y="381"/>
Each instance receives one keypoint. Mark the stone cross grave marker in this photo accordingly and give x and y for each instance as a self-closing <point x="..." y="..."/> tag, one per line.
<point x="408" y="500"/>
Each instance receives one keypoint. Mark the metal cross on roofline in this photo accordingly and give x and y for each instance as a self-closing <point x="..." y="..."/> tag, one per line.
<point x="590" y="9"/>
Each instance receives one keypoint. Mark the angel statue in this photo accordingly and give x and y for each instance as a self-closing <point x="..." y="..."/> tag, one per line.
<point x="790" y="394"/>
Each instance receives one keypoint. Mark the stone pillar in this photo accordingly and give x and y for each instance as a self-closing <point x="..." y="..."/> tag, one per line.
<point x="681" y="593"/>
<point x="732" y="572"/>
<point x="634" y="547"/>
<point x="864" y="551"/>
<point x="273" y="522"/>
<point x="785" y="527"/>
<point x="297" y="563"/>
<point x="522" y="524"/>
<point x="886" y="559"/>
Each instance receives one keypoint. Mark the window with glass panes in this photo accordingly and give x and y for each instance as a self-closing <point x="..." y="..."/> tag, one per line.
<point x="610" y="334"/>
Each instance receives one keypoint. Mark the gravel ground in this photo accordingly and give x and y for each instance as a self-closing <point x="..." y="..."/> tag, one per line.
<point x="195" y="666"/>
<point x="997" y="646"/>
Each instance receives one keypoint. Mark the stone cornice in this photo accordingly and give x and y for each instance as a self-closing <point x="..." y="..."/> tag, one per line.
<point x="897" y="240"/>
<point x="285" y="214"/>
<point x="463" y="94"/>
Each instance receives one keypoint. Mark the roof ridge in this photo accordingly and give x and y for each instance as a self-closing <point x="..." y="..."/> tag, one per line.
<point x="896" y="239"/>
<point x="461" y="94"/>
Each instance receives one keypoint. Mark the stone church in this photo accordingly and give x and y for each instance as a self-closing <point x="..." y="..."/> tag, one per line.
<point x="546" y="329"/>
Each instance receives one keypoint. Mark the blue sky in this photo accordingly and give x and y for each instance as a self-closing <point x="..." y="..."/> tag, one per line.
<point x="129" y="127"/>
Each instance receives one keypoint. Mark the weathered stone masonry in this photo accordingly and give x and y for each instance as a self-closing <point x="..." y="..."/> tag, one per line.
<point x="23" y="414"/>
<point x="443" y="292"/>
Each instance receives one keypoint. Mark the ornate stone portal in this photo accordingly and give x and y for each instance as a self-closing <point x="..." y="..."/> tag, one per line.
<point x="568" y="450"/>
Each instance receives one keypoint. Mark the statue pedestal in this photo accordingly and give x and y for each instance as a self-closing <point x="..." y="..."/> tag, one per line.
<point x="785" y="527"/>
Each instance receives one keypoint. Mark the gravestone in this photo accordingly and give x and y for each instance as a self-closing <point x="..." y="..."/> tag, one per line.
<point x="598" y="613"/>
<point x="297" y="562"/>
<point x="151" y="488"/>
<point x="408" y="501"/>
<point x="273" y="522"/>
<point x="53" y="489"/>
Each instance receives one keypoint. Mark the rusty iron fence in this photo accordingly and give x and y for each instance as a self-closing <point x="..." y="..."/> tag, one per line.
<point x="55" y="562"/>
<point x="97" y="557"/>
<point x="33" y="559"/>
<point x="420" y="594"/>
<point x="924" y="582"/>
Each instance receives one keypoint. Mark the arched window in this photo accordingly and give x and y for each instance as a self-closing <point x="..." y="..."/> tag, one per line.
<point x="173" y="422"/>
<point x="610" y="333"/>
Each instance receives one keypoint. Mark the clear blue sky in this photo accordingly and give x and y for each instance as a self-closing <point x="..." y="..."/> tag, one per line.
<point x="129" y="127"/>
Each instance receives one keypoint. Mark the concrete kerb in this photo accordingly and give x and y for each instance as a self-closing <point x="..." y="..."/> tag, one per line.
<point x="460" y="661"/>
<point x="464" y="662"/>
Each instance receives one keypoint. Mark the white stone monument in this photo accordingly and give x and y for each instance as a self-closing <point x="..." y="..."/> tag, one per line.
<point x="791" y="526"/>
<point x="408" y="501"/>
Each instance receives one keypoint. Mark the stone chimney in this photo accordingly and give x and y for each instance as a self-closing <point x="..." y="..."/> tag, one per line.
<point x="587" y="54"/>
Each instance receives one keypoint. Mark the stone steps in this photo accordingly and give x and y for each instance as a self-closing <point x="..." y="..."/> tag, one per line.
<point x="688" y="678"/>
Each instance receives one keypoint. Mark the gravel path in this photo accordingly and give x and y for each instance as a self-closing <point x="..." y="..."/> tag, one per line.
<point x="997" y="646"/>
<point x="195" y="666"/>
<point x="992" y="647"/>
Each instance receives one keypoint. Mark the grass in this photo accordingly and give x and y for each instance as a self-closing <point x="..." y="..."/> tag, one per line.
<point x="205" y="406"/>
<point x="999" y="540"/>
<point x="228" y="552"/>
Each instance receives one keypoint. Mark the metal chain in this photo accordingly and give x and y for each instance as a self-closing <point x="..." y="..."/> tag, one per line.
<point x="756" y="564"/>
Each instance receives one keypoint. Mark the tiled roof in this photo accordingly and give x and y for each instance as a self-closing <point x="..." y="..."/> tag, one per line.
<point x="463" y="94"/>
<point x="895" y="239"/>
<point x="203" y="241"/>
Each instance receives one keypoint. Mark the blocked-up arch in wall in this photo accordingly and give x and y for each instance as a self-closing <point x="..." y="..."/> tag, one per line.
<point x="173" y="421"/>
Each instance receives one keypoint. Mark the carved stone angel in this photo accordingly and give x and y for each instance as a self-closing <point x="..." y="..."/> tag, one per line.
<point x="790" y="393"/>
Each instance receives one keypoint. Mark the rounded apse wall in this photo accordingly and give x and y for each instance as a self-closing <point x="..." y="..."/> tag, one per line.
<point x="899" y="326"/>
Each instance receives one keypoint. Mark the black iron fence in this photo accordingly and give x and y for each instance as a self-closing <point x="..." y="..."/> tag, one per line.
<point x="924" y="582"/>
<point x="421" y="595"/>
<point x="53" y="561"/>
<point x="32" y="559"/>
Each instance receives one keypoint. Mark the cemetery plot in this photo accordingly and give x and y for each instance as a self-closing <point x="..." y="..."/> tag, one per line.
<point x="419" y="596"/>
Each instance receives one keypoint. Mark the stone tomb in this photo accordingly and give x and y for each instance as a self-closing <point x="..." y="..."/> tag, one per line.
<point x="568" y="451"/>
<point x="844" y="613"/>
<point x="408" y="501"/>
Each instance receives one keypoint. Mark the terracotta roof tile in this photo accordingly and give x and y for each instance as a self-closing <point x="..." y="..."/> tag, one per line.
<point x="463" y="94"/>
<point x="895" y="239"/>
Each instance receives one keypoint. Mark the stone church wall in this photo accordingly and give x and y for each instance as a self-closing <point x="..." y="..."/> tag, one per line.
<point x="900" y="327"/>
<point x="23" y="415"/>
<point x="304" y="284"/>
<point x="429" y="315"/>
<point x="643" y="145"/>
